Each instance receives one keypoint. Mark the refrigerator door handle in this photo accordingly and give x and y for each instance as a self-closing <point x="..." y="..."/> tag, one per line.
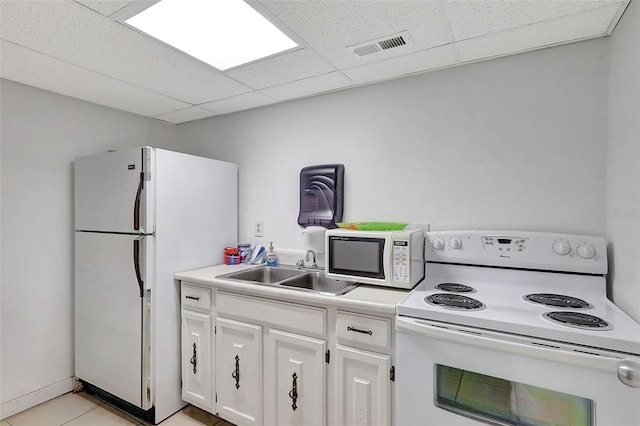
<point x="136" y="204"/>
<point x="136" y="265"/>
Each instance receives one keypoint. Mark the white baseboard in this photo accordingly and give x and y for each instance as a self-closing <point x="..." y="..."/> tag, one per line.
<point x="34" y="398"/>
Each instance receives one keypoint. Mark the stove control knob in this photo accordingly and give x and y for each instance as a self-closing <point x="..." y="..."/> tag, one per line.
<point x="586" y="251"/>
<point x="455" y="243"/>
<point x="562" y="248"/>
<point x="437" y="244"/>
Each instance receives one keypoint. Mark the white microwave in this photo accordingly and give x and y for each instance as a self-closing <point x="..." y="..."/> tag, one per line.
<point x="385" y="258"/>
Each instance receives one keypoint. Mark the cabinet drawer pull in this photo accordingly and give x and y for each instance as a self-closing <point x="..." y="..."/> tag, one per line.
<point x="369" y="332"/>
<point x="194" y="359"/>
<point x="192" y="298"/>
<point x="293" y="393"/>
<point x="236" y="372"/>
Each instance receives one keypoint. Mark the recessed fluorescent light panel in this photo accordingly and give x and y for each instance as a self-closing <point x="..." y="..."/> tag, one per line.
<point x="222" y="33"/>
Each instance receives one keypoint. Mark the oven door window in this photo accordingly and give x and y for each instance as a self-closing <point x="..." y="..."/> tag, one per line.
<point x="504" y="402"/>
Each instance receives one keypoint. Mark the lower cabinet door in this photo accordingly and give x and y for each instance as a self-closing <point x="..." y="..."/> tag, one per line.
<point x="197" y="377"/>
<point x="295" y="380"/>
<point x="239" y="371"/>
<point x="363" y="387"/>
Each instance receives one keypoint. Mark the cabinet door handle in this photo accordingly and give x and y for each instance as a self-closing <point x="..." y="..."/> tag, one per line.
<point x="293" y="393"/>
<point x="192" y="298"/>
<point x="236" y="372"/>
<point x="194" y="359"/>
<point x="369" y="332"/>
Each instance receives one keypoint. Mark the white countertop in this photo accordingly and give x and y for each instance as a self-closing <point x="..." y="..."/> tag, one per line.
<point x="365" y="297"/>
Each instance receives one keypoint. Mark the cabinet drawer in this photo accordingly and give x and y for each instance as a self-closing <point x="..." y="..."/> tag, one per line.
<point x="286" y="316"/>
<point x="363" y="329"/>
<point x="196" y="298"/>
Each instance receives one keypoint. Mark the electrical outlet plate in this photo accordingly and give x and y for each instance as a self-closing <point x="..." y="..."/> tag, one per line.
<point x="258" y="229"/>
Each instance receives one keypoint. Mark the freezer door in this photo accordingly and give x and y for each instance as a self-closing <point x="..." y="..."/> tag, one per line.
<point x="110" y="316"/>
<point x="113" y="190"/>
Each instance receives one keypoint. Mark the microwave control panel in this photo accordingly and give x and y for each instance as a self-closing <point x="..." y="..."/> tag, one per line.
<point x="401" y="260"/>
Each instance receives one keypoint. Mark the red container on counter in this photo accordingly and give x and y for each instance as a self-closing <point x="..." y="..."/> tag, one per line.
<point x="231" y="256"/>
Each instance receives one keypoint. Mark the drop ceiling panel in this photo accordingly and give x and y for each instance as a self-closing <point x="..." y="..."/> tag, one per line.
<point x="424" y="60"/>
<point x="281" y="69"/>
<point x="186" y="114"/>
<point x="476" y="18"/>
<point x="84" y="52"/>
<point x="330" y="26"/>
<point x="587" y="24"/>
<point x="75" y="34"/>
<point x="38" y="70"/>
<point x="238" y="103"/>
<point x="107" y="7"/>
<point x="309" y="86"/>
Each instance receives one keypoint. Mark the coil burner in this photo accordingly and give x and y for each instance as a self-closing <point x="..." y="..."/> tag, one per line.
<point x="557" y="300"/>
<point x="455" y="288"/>
<point x="454" y="301"/>
<point x="578" y="320"/>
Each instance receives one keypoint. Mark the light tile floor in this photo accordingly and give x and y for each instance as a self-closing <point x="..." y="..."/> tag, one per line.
<point x="81" y="409"/>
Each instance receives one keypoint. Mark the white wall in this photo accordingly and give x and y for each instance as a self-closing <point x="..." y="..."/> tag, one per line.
<point x="623" y="161"/>
<point x="514" y="143"/>
<point x="41" y="134"/>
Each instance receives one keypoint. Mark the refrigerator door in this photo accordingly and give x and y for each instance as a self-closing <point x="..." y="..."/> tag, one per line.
<point x="112" y="191"/>
<point x="111" y="321"/>
<point x="196" y="217"/>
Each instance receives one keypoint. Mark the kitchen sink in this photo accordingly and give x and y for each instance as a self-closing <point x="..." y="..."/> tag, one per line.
<point x="318" y="283"/>
<point x="264" y="275"/>
<point x="290" y="277"/>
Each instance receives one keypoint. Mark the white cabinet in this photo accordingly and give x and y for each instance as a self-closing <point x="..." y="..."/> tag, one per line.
<point x="197" y="349"/>
<point x="363" y="330"/>
<point x="238" y="366"/>
<point x="197" y="377"/>
<point x="363" y="370"/>
<point x="261" y="361"/>
<point x="363" y="386"/>
<point x="295" y="380"/>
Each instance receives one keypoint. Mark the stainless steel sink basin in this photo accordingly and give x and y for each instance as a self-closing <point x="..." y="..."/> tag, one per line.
<point x="318" y="283"/>
<point x="293" y="278"/>
<point x="265" y="275"/>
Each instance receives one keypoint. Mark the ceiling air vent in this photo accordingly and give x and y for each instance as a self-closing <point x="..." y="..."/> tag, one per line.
<point x="381" y="44"/>
<point x="366" y="50"/>
<point x="392" y="42"/>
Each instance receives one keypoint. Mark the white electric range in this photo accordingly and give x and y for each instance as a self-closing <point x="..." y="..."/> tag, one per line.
<point x="515" y="328"/>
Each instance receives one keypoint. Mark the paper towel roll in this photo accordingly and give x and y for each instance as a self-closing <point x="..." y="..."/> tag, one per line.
<point x="313" y="238"/>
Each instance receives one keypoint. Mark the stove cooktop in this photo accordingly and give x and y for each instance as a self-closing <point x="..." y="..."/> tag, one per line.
<point x="576" y="310"/>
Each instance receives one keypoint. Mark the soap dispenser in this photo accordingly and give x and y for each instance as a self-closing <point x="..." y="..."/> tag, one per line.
<point x="272" y="258"/>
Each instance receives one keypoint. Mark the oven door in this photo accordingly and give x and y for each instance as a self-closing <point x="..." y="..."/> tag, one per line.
<point x="451" y="375"/>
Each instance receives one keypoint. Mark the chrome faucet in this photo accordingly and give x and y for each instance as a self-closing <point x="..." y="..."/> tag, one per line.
<point x="309" y="258"/>
<point x="313" y="258"/>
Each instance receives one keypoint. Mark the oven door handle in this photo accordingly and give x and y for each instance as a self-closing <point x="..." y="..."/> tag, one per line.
<point x="619" y="366"/>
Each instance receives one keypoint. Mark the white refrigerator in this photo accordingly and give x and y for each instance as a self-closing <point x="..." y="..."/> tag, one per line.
<point x="141" y="215"/>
